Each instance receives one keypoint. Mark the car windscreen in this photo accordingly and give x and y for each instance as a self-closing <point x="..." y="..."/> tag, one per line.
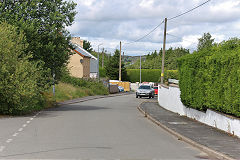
<point x="144" y="87"/>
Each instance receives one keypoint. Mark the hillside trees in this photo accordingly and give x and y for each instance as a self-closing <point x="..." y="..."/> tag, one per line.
<point x="112" y="67"/>
<point x="154" y="60"/>
<point x="205" y="42"/>
<point x="43" y="23"/>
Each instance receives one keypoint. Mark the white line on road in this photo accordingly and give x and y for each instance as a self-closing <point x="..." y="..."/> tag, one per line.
<point x="15" y="134"/>
<point x="24" y="125"/>
<point x="31" y="119"/>
<point x="9" y="140"/>
<point x="28" y="122"/>
<point x="20" y="129"/>
<point x="2" y="148"/>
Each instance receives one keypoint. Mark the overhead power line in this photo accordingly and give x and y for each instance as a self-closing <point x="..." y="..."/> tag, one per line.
<point x="189" y="10"/>
<point x="146" y="34"/>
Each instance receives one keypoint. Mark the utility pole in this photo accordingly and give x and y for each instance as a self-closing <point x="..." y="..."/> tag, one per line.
<point x="103" y="58"/>
<point x="140" y="70"/>
<point x="98" y="74"/>
<point x="164" y="47"/>
<point x="120" y="63"/>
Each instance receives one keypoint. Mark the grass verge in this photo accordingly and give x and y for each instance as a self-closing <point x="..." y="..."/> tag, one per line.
<point x="66" y="91"/>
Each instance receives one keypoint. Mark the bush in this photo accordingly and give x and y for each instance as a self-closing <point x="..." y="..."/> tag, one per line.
<point x="211" y="78"/>
<point x="171" y="74"/>
<point x="20" y="79"/>
<point x="102" y="72"/>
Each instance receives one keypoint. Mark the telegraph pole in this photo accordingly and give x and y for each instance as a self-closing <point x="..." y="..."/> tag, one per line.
<point x="98" y="74"/>
<point x="163" y="55"/>
<point x="120" y="63"/>
<point x="140" y="70"/>
<point x="103" y="58"/>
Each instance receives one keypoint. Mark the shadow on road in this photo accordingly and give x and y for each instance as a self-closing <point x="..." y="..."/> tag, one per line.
<point x="52" y="112"/>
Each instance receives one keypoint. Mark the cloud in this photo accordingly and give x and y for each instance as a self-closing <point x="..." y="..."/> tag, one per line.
<point x="111" y="21"/>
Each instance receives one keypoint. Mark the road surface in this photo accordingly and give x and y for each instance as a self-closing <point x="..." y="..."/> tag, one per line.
<point x="107" y="128"/>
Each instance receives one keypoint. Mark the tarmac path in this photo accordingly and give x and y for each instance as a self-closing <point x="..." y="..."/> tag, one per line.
<point x="106" y="128"/>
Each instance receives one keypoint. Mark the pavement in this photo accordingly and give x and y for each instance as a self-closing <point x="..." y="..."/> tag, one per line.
<point x="100" y="128"/>
<point x="209" y="139"/>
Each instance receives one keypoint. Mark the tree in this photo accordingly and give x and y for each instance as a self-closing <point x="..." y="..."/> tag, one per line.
<point x="43" y="23"/>
<point x="112" y="67"/>
<point x="205" y="42"/>
<point x="20" y="79"/>
<point x="87" y="46"/>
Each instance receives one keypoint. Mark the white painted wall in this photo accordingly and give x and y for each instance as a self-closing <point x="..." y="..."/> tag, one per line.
<point x="169" y="98"/>
<point x="134" y="86"/>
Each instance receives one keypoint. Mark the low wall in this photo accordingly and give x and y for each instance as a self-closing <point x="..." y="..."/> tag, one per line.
<point x="169" y="98"/>
<point x="134" y="86"/>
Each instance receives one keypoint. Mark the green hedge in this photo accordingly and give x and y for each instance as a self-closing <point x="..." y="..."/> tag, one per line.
<point x="211" y="78"/>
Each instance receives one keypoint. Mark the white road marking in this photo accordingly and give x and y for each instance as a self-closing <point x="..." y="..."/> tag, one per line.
<point x="9" y="140"/>
<point x="2" y="148"/>
<point x="20" y="129"/>
<point x="24" y="125"/>
<point x="28" y="122"/>
<point x="31" y="119"/>
<point x="35" y="116"/>
<point x="15" y="134"/>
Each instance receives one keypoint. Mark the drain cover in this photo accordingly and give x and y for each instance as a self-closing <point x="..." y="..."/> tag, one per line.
<point x="177" y="122"/>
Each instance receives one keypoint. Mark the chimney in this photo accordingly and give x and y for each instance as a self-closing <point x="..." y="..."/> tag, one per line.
<point x="77" y="41"/>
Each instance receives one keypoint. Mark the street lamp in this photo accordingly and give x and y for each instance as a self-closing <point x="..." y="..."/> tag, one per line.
<point x="98" y="62"/>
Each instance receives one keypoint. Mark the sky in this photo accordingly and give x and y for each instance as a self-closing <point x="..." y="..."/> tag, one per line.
<point x="107" y="22"/>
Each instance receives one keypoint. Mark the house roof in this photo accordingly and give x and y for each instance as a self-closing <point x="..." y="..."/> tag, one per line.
<point x="82" y="51"/>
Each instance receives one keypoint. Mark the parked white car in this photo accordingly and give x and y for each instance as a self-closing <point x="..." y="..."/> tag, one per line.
<point x="145" y="91"/>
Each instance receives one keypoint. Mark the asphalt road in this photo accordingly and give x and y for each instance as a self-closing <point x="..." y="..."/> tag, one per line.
<point x="107" y="128"/>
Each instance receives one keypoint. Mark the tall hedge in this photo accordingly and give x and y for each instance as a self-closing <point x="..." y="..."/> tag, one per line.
<point x="211" y="78"/>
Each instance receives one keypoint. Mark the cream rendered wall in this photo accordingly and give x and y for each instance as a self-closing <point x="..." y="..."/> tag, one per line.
<point x="75" y="67"/>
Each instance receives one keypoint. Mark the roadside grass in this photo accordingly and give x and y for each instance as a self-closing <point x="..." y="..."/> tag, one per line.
<point x="66" y="91"/>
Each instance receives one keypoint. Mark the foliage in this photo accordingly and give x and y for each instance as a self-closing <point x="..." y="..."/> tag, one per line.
<point x="102" y="72"/>
<point x="112" y="67"/>
<point x="150" y="75"/>
<point x="205" y="42"/>
<point x="154" y="60"/>
<point x="210" y="78"/>
<point x="87" y="46"/>
<point x="20" y="79"/>
<point x="97" y="88"/>
<point x="66" y="91"/>
<point x="170" y="74"/>
<point x="43" y="23"/>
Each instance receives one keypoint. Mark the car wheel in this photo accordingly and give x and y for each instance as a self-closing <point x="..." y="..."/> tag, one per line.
<point x="140" y="96"/>
<point x="136" y="96"/>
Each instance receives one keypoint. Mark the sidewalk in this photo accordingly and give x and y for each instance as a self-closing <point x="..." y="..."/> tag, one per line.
<point x="200" y="135"/>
